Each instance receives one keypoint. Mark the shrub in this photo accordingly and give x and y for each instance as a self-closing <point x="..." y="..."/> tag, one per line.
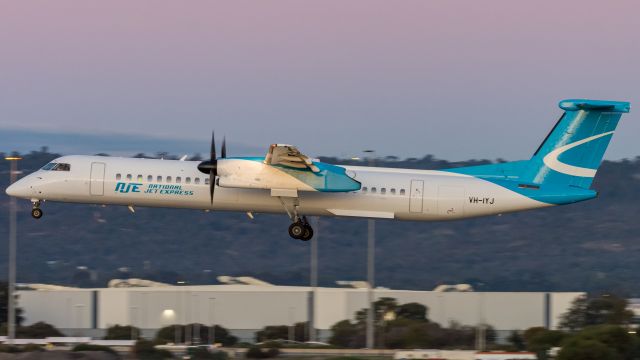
<point x="272" y="352"/>
<point x="4" y="348"/>
<point x="201" y="352"/>
<point x="39" y="330"/>
<point x="118" y="332"/>
<point x="32" y="347"/>
<point x="144" y="349"/>
<point x="91" y="347"/>
<point x="256" y="352"/>
<point x="167" y="334"/>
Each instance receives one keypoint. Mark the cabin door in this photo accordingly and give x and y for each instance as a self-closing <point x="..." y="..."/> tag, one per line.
<point x="416" y="195"/>
<point x="97" y="178"/>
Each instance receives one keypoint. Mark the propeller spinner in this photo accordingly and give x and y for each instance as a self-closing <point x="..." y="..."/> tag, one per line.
<point x="211" y="166"/>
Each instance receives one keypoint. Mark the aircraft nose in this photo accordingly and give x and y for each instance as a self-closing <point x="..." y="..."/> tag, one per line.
<point x="18" y="189"/>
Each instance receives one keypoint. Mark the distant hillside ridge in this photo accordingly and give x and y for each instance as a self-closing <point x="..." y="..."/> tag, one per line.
<point x="591" y="246"/>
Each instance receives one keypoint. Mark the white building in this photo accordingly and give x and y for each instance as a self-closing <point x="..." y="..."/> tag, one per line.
<point x="244" y="309"/>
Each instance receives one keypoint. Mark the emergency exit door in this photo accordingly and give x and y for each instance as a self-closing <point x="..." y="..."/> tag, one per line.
<point x="416" y="196"/>
<point x="97" y="179"/>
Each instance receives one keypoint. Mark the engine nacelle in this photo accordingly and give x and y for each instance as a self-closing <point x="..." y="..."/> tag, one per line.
<point x="253" y="173"/>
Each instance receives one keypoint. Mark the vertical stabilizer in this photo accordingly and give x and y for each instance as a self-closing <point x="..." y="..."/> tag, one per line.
<point x="572" y="152"/>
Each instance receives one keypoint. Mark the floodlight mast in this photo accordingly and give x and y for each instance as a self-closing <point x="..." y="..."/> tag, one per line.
<point x="371" y="250"/>
<point x="13" y="224"/>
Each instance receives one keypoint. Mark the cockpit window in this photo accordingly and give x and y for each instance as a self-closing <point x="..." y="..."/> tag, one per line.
<point x="57" y="167"/>
<point x="62" y="167"/>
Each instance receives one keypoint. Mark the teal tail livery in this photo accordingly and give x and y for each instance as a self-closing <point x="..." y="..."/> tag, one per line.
<point x="564" y="165"/>
<point x="287" y="181"/>
<point x="573" y="150"/>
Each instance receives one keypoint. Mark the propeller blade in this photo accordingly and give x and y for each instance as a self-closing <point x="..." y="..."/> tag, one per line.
<point x="223" y="152"/>
<point x="213" y="147"/>
<point x="212" y="185"/>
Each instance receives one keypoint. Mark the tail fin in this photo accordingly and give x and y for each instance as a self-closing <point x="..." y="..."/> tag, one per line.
<point x="573" y="150"/>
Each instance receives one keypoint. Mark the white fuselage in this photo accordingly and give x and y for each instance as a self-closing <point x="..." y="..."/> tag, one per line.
<point x="386" y="193"/>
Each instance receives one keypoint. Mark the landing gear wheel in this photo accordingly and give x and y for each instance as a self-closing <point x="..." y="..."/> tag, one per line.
<point x="308" y="233"/>
<point x="296" y="230"/>
<point x="36" y="213"/>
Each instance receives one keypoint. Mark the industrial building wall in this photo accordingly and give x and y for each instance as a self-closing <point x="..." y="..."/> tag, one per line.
<point x="152" y="309"/>
<point x="69" y="309"/>
<point x="245" y="309"/>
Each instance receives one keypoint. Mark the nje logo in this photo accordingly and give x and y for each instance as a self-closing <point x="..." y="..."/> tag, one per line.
<point x="128" y="187"/>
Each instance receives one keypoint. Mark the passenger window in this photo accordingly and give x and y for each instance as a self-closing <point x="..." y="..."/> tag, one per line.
<point x="159" y="178"/>
<point x="401" y="191"/>
<point x="364" y="189"/>
<point x="118" y="177"/>
<point x="139" y="178"/>
<point x="393" y="191"/>
<point x="129" y="177"/>
<point x="150" y="178"/>
<point x="206" y="181"/>
<point x="168" y="179"/>
<point x="373" y="190"/>
<point x="178" y="179"/>
<point x="187" y="180"/>
<point x="196" y="181"/>
<point x="383" y="191"/>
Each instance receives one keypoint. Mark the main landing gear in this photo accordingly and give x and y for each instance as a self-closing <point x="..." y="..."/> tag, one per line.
<point x="301" y="230"/>
<point x="36" y="212"/>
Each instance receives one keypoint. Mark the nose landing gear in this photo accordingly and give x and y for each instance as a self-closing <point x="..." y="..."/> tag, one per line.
<point x="36" y="212"/>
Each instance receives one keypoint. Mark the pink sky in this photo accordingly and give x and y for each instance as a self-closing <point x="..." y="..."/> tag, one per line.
<point x="458" y="79"/>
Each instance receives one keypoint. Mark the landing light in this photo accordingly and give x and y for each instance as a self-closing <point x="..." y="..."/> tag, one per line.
<point x="12" y="158"/>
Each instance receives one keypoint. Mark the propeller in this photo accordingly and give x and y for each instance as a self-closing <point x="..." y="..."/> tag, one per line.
<point x="211" y="166"/>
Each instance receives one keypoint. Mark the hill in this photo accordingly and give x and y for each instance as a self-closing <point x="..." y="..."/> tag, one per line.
<point x="591" y="246"/>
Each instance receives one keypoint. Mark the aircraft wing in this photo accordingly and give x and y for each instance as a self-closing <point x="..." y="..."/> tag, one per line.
<point x="289" y="156"/>
<point x="284" y="168"/>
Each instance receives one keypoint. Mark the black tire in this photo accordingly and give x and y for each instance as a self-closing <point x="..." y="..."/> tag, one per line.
<point x="308" y="233"/>
<point x="36" y="213"/>
<point x="296" y="230"/>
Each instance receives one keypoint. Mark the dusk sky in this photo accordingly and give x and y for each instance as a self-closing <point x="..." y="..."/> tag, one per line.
<point x="457" y="79"/>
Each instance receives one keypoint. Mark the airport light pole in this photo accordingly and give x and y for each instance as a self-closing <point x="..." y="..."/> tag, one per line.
<point x="212" y="328"/>
<point x="13" y="224"/>
<point x="314" y="280"/>
<point x="371" y="249"/>
<point x="133" y="310"/>
<point x="291" y="333"/>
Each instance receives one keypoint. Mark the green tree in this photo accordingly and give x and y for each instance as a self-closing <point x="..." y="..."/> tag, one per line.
<point x="347" y="334"/>
<point x="145" y="350"/>
<point x="167" y="334"/>
<point x="407" y="333"/>
<point x="409" y="329"/>
<point x="516" y="340"/>
<point x="282" y="332"/>
<point x="39" y="330"/>
<point x="91" y="347"/>
<point x="617" y="341"/>
<point x="412" y="311"/>
<point x="381" y="307"/>
<point x="120" y="332"/>
<point x="581" y="349"/>
<point x="604" y="309"/>
<point x="539" y="340"/>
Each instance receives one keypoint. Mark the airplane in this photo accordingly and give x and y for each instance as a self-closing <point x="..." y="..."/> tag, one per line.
<point x="287" y="181"/>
